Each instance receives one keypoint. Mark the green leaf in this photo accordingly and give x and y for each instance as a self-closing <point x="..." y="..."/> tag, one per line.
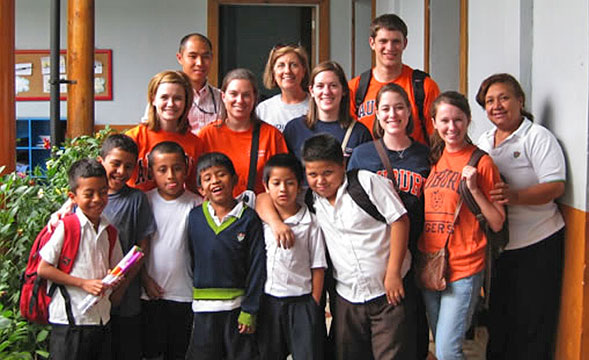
<point x="42" y="335"/>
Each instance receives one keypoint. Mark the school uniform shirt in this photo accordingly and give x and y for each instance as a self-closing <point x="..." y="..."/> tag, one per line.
<point x="237" y="146"/>
<point x="530" y="155"/>
<point x="466" y="246"/>
<point x="278" y="114"/>
<point x="367" y="111"/>
<point x="147" y="139"/>
<point x="168" y="262"/>
<point x="289" y="270"/>
<point x="358" y="244"/>
<point x="296" y="132"/>
<point x="91" y="262"/>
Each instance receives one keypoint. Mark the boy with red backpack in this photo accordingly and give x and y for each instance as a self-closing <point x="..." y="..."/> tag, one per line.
<point x="77" y="335"/>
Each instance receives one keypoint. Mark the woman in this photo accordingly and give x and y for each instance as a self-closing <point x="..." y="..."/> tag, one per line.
<point x="410" y="163"/>
<point x="450" y="311"/>
<point x="288" y="69"/>
<point x="329" y="112"/>
<point x="526" y="287"/>
<point x="232" y="134"/>
<point x="169" y="95"/>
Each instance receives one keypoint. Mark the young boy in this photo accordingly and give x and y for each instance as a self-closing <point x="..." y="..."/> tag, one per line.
<point x="374" y="308"/>
<point x="167" y="277"/>
<point x="89" y="336"/>
<point x="289" y="314"/>
<point x="229" y="266"/>
<point x="129" y="211"/>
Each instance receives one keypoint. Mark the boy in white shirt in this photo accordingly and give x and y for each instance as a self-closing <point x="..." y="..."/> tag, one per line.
<point x="289" y="312"/>
<point x="89" y="336"/>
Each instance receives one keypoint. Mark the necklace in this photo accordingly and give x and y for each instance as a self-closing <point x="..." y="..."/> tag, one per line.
<point x="400" y="153"/>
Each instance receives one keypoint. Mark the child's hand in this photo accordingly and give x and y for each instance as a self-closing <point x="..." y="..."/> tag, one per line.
<point x="393" y="285"/>
<point x="245" y="329"/>
<point x="65" y="209"/>
<point x="283" y="234"/>
<point x="153" y="290"/>
<point x="469" y="173"/>
<point x="93" y="286"/>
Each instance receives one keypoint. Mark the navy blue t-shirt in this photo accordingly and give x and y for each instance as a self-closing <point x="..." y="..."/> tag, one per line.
<point x="296" y="132"/>
<point x="411" y="168"/>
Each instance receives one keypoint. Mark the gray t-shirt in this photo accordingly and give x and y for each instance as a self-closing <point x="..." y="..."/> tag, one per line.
<point x="129" y="211"/>
<point x="278" y="114"/>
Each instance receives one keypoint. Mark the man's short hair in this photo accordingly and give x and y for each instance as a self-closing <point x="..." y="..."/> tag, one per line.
<point x="322" y="147"/>
<point x="390" y="22"/>
<point x="208" y="160"/>
<point x="287" y="161"/>
<point x="199" y="36"/>
<point x="166" y="147"/>
<point x="85" y="168"/>
<point x="121" y="142"/>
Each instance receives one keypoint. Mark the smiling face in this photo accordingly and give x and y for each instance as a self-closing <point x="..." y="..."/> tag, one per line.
<point x="239" y="98"/>
<point x="119" y="165"/>
<point x="91" y="196"/>
<point x="503" y="107"/>
<point x="196" y="59"/>
<point x="288" y="72"/>
<point x="216" y="184"/>
<point x="327" y="92"/>
<point x="325" y="177"/>
<point x="451" y="123"/>
<point x="393" y="114"/>
<point x="388" y="47"/>
<point x="283" y="188"/>
<point x="169" y="102"/>
<point x="169" y="173"/>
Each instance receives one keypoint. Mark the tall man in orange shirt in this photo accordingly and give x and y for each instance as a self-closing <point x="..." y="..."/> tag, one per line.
<point x="388" y="40"/>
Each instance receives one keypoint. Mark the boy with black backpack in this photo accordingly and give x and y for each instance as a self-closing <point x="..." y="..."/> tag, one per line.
<point x="74" y="334"/>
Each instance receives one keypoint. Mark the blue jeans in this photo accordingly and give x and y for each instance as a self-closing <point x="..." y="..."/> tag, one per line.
<point x="449" y="313"/>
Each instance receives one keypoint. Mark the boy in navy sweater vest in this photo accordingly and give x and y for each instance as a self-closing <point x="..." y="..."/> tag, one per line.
<point x="229" y="266"/>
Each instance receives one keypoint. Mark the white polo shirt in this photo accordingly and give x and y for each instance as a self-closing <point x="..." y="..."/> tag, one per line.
<point x="92" y="262"/>
<point x="358" y="244"/>
<point x="289" y="270"/>
<point x="530" y="155"/>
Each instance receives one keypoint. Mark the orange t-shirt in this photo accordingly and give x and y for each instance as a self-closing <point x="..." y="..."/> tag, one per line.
<point x="466" y="247"/>
<point x="367" y="111"/>
<point x="146" y="139"/>
<point x="237" y="145"/>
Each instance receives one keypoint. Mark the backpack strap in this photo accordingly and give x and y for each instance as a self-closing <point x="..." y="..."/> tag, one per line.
<point x="310" y="200"/>
<point x="362" y="89"/>
<point x="251" y="178"/>
<point x="465" y="192"/>
<point x="417" y="79"/>
<point x="360" y="196"/>
<point x="112" y="239"/>
<point x="69" y="251"/>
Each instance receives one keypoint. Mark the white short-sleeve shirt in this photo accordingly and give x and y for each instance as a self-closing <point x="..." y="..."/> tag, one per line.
<point x="358" y="244"/>
<point x="289" y="270"/>
<point x="278" y="114"/>
<point x="530" y="155"/>
<point x="92" y="262"/>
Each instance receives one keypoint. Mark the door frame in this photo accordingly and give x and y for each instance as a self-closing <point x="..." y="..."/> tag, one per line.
<point x="321" y="10"/>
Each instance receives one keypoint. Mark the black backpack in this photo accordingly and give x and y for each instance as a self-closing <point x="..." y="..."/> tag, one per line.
<point x="357" y="193"/>
<point x="417" y="80"/>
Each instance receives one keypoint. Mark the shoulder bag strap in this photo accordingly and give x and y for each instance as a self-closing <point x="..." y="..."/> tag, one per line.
<point x="456" y="212"/>
<point x="362" y="89"/>
<point x="418" y="79"/>
<point x="251" y="179"/>
<point x="384" y="159"/>
<point x="347" y="136"/>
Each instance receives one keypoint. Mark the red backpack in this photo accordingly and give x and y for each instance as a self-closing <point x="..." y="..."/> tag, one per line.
<point x="34" y="298"/>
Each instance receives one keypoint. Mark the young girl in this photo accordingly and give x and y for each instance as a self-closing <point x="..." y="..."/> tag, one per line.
<point x="410" y="164"/>
<point x="450" y="311"/>
<point x="329" y="112"/>
<point x="169" y="94"/>
<point x="232" y="134"/>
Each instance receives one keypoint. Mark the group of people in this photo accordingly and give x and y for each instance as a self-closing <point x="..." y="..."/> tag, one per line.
<point x="242" y="242"/>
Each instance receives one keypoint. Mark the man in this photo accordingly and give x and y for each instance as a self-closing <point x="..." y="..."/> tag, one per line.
<point x="388" y="40"/>
<point x="195" y="56"/>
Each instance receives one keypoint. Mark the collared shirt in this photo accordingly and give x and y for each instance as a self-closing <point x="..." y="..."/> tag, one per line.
<point x="530" y="155"/>
<point x="206" y="107"/>
<point x="289" y="270"/>
<point x="92" y="262"/>
<point x="358" y="244"/>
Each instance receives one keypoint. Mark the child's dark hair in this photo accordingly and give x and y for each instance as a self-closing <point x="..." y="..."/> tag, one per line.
<point x="208" y="160"/>
<point x="84" y="168"/>
<point x="119" y="141"/>
<point x="287" y="161"/>
<point x="167" y="147"/>
<point x="322" y="147"/>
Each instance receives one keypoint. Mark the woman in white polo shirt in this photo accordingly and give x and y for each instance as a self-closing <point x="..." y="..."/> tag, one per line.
<point x="526" y="287"/>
